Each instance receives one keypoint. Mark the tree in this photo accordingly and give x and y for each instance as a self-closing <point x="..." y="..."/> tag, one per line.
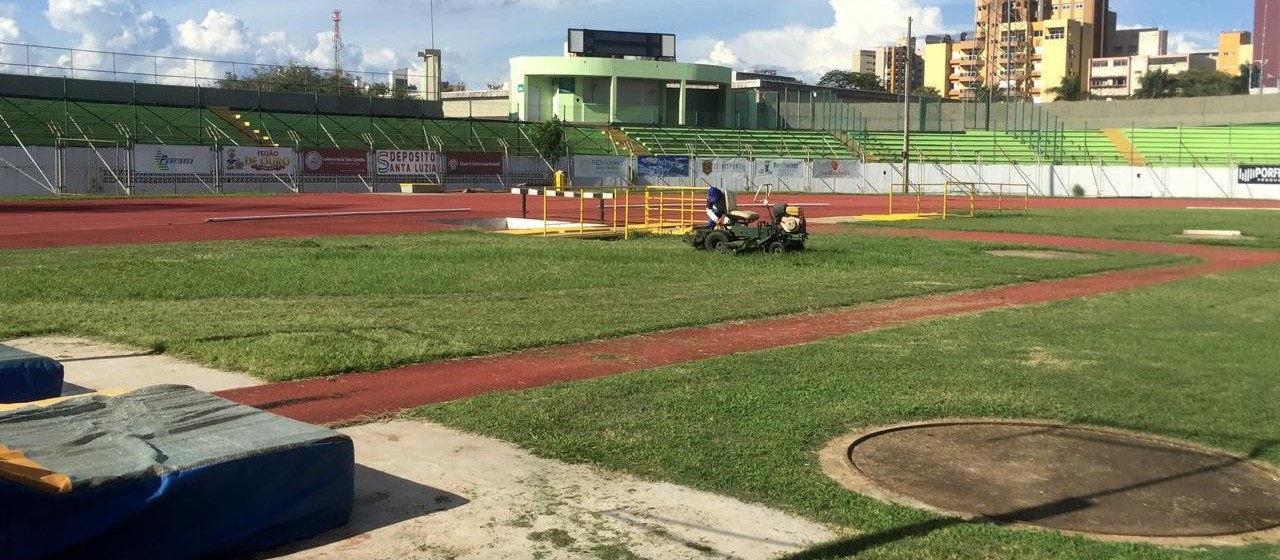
<point x="548" y="139"/>
<point x="927" y="91"/>
<point x="1069" y="90"/>
<point x="1204" y="83"/>
<point x="845" y="79"/>
<point x="1157" y="84"/>
<point x="291" y="78"/>
<point x="1250" y="78"/>
<point x="984" y="93"/>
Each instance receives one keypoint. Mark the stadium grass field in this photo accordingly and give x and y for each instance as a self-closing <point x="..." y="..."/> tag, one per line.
<point x="288" y="309"/>
<point x="1192" y="360"/>
<point x="1261" y="228"/>
<point x="1189" y="360"/>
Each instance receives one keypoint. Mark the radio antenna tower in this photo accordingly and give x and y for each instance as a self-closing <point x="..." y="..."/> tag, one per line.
<point x="337" y="44"/>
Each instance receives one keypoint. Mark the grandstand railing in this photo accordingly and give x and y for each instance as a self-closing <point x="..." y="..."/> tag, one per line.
<point x="40" y="60"/>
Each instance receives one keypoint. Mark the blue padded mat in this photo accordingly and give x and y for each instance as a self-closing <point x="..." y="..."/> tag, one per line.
<point x="26" y="377"/>
<point x="170" y="472"/>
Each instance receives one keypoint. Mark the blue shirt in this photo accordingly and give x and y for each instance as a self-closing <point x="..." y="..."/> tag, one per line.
<point x="716" y="201"/>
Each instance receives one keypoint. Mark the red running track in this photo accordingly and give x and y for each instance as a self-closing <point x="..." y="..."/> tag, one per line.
<point x="357" y="397"/>
<point x="66" y="223"/>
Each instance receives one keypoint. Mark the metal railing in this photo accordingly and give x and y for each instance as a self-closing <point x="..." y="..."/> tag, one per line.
<point x="62" y="62"/>
<point x="951" y="199"/>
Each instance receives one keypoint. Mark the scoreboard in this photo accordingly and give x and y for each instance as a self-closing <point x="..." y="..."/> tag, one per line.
<point x="592" y="42"/>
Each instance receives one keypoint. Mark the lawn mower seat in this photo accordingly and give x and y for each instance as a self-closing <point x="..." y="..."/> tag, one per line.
<point x="739" y="216"/>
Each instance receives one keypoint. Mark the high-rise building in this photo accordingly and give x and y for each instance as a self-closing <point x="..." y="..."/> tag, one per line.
<point x="864" y="61"/>
<point x="1096" y="13"/>
<point x="1234" y="49"/>
<point x="891" y="66"/>
<point x="1266" y="40"/>
<point x="1020" y="48"/>
<point x="941" y="68"/>
<point x="1004" y="54"/>
<point x="1136" y="42"/>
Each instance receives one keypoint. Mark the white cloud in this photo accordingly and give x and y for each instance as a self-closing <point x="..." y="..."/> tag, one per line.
<point x="119" y="25"/>
<point x="9" y="31"/>
<point x="1193" y="42"/>
<point x="122" y="26"/>
<point x="219" y="34"/>
<point x="813" y="51"/>
<point x="722" y="55"/>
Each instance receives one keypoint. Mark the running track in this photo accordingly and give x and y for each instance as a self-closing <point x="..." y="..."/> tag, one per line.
<point x="67" y="223"/>
<point x="358" y="397"/>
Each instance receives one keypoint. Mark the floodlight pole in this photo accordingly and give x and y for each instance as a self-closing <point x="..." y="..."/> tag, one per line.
<point x="1008" y="56"/>
<point x="431" y="13"/>
<point x="906" y="114"/>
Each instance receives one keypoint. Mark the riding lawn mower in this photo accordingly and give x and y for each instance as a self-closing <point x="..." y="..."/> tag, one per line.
<point x="743" y="231"/>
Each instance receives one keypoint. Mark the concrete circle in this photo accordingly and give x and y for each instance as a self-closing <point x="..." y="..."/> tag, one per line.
<point x="1105" y="483"/>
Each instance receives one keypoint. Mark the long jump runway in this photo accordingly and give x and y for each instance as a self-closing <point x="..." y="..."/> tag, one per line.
<point x="356" y="397"/>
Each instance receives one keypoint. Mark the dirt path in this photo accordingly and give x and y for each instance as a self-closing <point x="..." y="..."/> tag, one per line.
<point x="353" y="397"/>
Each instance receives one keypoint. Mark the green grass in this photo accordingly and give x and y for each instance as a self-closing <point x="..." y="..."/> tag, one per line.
<point x="1193" y="360"/>
<point x="1143" y="225"/>
<point x="285" y="309"/>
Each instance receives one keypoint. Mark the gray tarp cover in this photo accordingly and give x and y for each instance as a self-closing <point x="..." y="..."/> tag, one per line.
<point x="149" y="432"/>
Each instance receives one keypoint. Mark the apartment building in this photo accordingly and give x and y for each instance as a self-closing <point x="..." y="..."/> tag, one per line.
<point x="1021" y="48"/>
<point x="864" y="61"/>
<point x="1234" y="49"/>
<point x="891" y="66"/>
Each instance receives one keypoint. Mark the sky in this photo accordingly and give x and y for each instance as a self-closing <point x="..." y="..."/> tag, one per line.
<point x="803" y="38"/>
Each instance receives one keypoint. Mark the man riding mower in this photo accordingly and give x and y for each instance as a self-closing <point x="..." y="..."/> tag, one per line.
<point x="731" y="230"/>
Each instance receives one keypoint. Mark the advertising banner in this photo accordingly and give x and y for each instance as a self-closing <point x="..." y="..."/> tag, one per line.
<point x="835" y="168"/>
<point x="242" y="160"/>
<point x="1259" y="175"/>
<point x="724" y="168"/>
<point x="333" y="161"/>
<point x="602" y="167"/>
<point x="172" y="160"/>
<point x="407" y="162"/>
<point x="473" y="163"/>
<point x="780" y="169"/>
<point x="662" y="166"/>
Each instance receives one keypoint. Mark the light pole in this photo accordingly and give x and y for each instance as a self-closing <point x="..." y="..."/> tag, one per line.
<point x="906" y="114"/>
<point x="1008" y="52"/>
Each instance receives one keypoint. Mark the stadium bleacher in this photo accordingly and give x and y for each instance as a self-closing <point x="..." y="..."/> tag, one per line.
<point x="42" y="122"/>
<point x="1213" y="145"/>
<point x="740" y="143"/>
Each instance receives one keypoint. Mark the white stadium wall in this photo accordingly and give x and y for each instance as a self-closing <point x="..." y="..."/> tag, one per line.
<point x="34" y="172"/>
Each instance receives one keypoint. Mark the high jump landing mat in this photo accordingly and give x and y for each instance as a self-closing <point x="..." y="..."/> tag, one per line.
<point x="26" y="377"/>
<point x="164" y="472"/>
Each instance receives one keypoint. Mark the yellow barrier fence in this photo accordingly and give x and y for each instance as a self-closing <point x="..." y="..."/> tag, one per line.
<point x="564" y="212"/>
<point x="958" y="199"/>
<point x="673" y="209"/>
<point x="604" y="212"/>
